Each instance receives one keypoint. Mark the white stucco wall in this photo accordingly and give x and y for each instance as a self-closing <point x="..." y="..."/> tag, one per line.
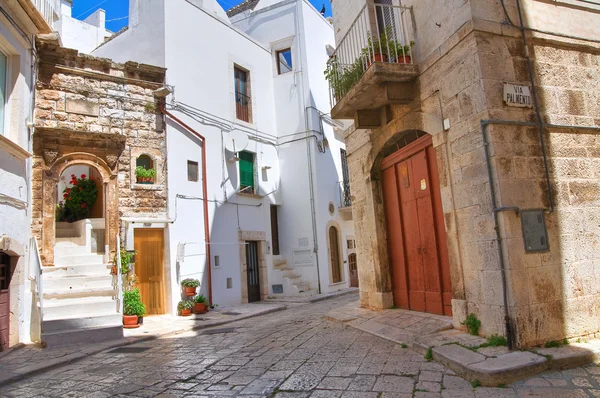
<point x="85" y="35"/>
<point x="15" y="216"/>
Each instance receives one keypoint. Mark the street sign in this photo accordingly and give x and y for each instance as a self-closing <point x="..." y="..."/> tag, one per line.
<point x="517" y="95"/>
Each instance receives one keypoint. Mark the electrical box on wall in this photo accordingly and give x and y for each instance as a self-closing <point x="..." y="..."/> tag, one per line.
<point x="535" y="234"/>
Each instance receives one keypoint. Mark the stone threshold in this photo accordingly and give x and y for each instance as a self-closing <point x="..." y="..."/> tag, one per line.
<point x="30" y="359"/>
<point x="434" y="337"/>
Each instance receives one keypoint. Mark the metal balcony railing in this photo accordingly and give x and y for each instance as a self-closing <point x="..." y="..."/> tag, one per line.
<point x="49" y="9"/>
<point x="345" y="199"/>
<point x="242" y="106"/>
<point x="380" y="33"/>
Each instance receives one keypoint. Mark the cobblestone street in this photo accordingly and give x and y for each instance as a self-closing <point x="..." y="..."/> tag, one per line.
<point x="293" y="354"/>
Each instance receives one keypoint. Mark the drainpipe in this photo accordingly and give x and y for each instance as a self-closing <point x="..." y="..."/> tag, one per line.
<point x="496" y="209"/>
<point x="204" y="193"/>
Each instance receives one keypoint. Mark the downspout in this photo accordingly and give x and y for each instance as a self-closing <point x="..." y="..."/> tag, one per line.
<point x="204" y="193"/>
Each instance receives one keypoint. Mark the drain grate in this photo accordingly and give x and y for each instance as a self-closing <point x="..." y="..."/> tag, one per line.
<point x="129" y="350"/>
<point x="218" y="331"/>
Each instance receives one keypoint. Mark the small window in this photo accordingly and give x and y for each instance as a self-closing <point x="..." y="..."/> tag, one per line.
<point x="145" y="173"/>
<point x="284" y="61"/>
<point x="246" y="172"/>
<point x="275" y="230"/>
<point x="242" y="95"/>
<point x="192" y="171"/>
<point x="4" y="267"/>
<point x="351" y="244"/>
<point x="3" y="66"/>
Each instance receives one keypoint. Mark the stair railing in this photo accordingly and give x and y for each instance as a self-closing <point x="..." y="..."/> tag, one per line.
<point x="37" y="290"/>
<point x="119" y="278"/>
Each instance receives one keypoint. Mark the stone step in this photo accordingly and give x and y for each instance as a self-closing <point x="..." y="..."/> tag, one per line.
<point x="59" y="271"/>
<point x="70" y="282"/>
<point x="85" y="322"/>
<point x="64" y="225"/>
<point x="80" y="259"/>
<point x="66" y="250"/>
<point x="89" y="335"/>
<point x="67" y="233"/>
<point x="85" y="306"/>
<point x="61" y="294"/>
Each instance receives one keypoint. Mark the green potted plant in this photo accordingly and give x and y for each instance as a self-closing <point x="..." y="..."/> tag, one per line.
<point x="133" y="308"/>
<point x="200" y="304"/>
<point x="144" y="176"/>
<point x="190" y="285"/>
<point x="78" y="199"/>
<point x="185" y="307"/>
<point x="401" y="53"/>
<point x="126" y="260"/>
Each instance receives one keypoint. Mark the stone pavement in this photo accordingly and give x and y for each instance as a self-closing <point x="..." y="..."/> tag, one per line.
<point x="313" y="299"/>
<point x="20" y="362"/>
<point x="288" y="354"/>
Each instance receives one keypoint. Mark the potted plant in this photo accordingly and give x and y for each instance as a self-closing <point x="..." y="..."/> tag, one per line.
<point x="190" y="285"/>
<point x="185" y="307"/>
<point x="401" y="53"/>
<point x="78" y="199"/>
<point x="144" y="176"/>
<point x="200" y="304"/>
<point x="133" y="308"/>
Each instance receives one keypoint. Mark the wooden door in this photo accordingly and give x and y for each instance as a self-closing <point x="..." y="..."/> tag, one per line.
<point x="4" y="300"/>
<point x="416" y="234"/>
<point x="334" y="255"/>
<point x="353" y="267"/>
<point x="97" y="210"/>
<point x="252" y="271"/>
<point x="149" y="245"/>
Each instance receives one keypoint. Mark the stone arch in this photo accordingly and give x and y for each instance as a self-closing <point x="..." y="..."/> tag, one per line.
<point x="49" y="196"/>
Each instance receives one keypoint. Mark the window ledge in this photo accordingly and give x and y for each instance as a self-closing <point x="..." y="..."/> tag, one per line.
<point x="250" y="195"/>
<point x="147" y="187"/>
<point x="13" y="148"/>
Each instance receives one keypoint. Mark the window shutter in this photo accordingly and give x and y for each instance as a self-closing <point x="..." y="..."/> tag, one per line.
<point x="246" y="169"/>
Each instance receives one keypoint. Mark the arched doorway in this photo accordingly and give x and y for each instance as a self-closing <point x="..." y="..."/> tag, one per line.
<point x="416" y="235"/>
<point x="68" y="183"/>
<point x="334" y="255"/>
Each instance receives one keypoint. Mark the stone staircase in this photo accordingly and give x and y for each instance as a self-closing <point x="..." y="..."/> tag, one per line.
<point x="293" y="284"/>
<point x="79" y="292"/>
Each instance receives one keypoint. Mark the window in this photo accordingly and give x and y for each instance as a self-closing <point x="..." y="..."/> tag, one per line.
<point x="192" y="171"/>
<point x="351" y="244"/>
<point x="274" y="230"/>
<point x="3" y="67"/>
<point x="242" y="97"/>
<point x="246" y="172"/>
<point x="4" y="267"/>
<point x="144" y="170"/>
<point x="144" y="161"/>
<point x="284" y="61"/>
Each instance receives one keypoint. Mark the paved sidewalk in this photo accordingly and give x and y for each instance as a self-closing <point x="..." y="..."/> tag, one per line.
<point x="313" y="299"/>
<point x="21" y="362"/>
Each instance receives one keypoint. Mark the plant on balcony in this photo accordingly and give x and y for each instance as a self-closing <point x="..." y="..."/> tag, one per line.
<point x="133" y="308"/>
<point x="144" y="175"/>
<point x="400" y="53"/>
<point x="185" y="307"/>
<point x="341" y="78"/>
<point x="78" y="199"/>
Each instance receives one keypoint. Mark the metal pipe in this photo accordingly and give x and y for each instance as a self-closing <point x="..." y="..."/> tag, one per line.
<point x="204" y="194"/>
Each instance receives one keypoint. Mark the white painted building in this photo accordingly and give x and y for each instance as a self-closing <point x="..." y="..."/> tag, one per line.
<point x="18" y="25"/>
<point x="84" y="35"/>
<point x="274" y="204"/>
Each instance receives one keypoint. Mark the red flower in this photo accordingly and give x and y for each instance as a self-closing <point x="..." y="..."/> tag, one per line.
<point x="68" y="191"/>
<point x="65" y="196"/>
<point x="74" y="182"/>
<point x="72" y="176"/>
<point x="83" y="176"/>
<point x="92" y="179"/>
<point x="83" y="205"/>
<point x="80" y="188"/>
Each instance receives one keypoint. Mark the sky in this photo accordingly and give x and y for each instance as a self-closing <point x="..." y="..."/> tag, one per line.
<point x="117" y="10"/>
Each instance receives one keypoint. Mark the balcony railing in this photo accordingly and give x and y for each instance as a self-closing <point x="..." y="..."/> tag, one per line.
<point x="380" y="33"/>
<point x="242" y="106"/>
<point x="49" y="9"/>
<point x="345" y="199"/>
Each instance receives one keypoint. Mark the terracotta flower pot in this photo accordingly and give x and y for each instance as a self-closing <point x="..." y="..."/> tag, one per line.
<point x="200" y="308"/>
<point x="185" y="312"/>
<point x="190" y="291"/>
<point x="404" y="59"/>
<point x="377" y="58"/>
<point x="130" y="321"/>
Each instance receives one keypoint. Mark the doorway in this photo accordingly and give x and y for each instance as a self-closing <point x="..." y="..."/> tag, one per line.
<point x="4" y="300"/>
<point x="334" y="255"/>
<point x="252" y="271"/>
<point x="417" y="250"/>
<point x="353" y="267"/>
<point x="149" y="244"/>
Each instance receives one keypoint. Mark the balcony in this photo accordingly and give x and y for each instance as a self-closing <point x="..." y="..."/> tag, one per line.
<point x="373" y="65"/>
<point x="43" y="13"/>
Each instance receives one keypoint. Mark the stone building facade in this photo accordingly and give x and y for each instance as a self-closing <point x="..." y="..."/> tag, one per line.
<point x="92" y="112"/>
<point x="467" y="54"/>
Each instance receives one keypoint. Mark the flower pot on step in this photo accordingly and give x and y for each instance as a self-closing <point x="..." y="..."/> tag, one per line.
<point x="130" y="321"/>
<point x="190" y="291"/>
<point x="200" y="308"/>
<point x="185" y="312"/>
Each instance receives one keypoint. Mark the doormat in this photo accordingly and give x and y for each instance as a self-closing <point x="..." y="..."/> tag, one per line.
<point x="128" y="350"/>
<point x="218" y="331"/>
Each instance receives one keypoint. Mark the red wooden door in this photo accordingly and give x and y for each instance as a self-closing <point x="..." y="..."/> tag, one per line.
<point x="4" y="301"/>
<point x="415" y="228"/>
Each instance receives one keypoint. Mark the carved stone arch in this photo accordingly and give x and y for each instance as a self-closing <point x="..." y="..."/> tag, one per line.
<point x="83" y="158"/>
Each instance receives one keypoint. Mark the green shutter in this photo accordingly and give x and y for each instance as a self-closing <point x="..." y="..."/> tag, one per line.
<point x="246" y="169"/>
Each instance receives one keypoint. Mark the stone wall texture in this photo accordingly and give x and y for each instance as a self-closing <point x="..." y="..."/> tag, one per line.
<point x="94" y="112"/>
<point x="551" y="295"/>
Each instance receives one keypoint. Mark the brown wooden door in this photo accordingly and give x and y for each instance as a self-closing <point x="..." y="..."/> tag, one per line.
<point x="252" y="271"/>
<point x="415" y="228"/>
<point x="353" y="267"/>
<point x="150" y="268"/>
<point x="4" y="301"/>
<point x="334" y="255"/>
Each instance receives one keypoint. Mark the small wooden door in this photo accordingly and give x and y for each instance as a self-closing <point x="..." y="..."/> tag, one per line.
<point x="252" y="271"/>
<point x="4" y="300"/>
<point x="334" y="255"/>
<point x="353" y="267"/>
<point x="415" y="227"/>
<point x="150" y="268"/>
